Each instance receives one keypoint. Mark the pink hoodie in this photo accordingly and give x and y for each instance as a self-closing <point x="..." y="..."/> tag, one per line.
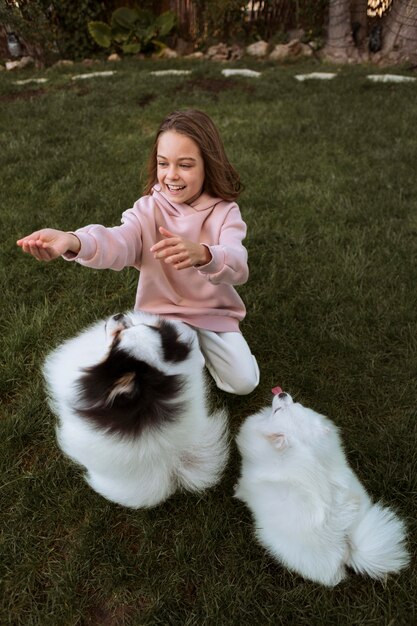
<point x="203" y="297"/>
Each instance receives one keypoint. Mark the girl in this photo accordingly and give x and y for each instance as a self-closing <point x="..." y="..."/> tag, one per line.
<point x="185" y="237"/>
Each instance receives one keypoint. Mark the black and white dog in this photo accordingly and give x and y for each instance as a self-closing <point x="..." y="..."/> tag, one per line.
<point x="129" y="395"/>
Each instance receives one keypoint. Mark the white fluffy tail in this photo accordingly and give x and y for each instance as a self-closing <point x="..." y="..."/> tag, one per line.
<point x="378" y="543"/>
<point x="202" y="464"/>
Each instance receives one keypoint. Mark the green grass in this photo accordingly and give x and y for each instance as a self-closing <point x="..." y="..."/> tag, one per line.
<point x="330" y="203"/>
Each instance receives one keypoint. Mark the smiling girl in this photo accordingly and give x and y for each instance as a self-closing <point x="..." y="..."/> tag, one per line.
<point x="185" y="238"/>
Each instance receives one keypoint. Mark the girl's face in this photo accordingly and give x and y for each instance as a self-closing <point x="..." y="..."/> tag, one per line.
<point x="180" y="167"/>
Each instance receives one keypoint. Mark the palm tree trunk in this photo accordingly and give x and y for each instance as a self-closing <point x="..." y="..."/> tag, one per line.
<point x="340" y="46"/>
<point x="400" y="32"/>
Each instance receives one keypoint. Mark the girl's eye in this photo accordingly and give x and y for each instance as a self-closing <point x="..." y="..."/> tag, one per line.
<point x="162" y="164"/>
<point x="185" y="166"/>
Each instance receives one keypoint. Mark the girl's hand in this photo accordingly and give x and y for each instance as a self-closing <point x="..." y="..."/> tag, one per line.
<point x="179" y="252"/>
<point x="48" y="244"/>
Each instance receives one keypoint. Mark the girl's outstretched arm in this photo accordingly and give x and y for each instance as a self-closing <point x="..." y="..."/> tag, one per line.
<point x="48" y="244"/>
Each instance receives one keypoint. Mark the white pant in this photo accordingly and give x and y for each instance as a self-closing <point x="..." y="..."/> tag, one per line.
<point x="229" y="360"/>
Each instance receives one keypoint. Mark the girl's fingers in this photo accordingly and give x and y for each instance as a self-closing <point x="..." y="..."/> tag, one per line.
<point x="165" y="243"/>
<point x="175" y="258"/>
<point x="165" y="232"/>
<point x="183" y="265"/>
<point x="36" y="249"/>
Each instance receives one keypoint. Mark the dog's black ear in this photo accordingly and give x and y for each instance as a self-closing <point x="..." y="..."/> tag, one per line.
<point x="175" y="350"/>
<point x="125" y="396"/>
<point x="126" y="385"/>
<point x="112" y="383"/>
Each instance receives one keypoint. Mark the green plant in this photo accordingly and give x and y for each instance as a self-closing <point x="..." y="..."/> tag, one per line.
<point x="133" y="30"/>
<point x="33" y="27"/>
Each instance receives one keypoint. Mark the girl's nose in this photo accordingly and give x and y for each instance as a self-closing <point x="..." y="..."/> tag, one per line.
<point x="172" y="173"/>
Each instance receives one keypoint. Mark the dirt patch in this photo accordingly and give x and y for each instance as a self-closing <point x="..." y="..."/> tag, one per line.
<point x="27" y="94"/>
<point x="30" y="94"/>
<point x="146" y="99"/>
<point x="122" y="615"/>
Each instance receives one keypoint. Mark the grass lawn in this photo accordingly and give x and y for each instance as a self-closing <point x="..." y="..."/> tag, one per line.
<point x="330" y="201"/>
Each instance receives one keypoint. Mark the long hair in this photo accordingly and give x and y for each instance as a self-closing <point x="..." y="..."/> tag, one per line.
<point x="220" y="178"/>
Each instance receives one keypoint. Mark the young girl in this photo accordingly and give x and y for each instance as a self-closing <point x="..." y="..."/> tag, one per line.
<point x="185" y="237"/>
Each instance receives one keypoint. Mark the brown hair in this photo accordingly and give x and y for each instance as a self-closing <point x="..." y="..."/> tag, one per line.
<point x="220" y="178"/>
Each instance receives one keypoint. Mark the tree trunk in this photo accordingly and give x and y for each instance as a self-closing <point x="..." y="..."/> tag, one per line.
<point x="399" y="32"/>
<point x="340" y="46"/>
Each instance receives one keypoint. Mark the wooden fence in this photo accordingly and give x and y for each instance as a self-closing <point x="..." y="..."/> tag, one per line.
<point x="197" y="19"/>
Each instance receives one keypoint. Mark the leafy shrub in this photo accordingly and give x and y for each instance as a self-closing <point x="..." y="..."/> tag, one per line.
<point x="72" y="17"/>
<point x="133" y="30"/>
<point x="52" y="28"/>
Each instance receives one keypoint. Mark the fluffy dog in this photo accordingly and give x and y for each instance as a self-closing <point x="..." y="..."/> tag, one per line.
<point x="129" y="396"/>
<point x="310" y="510"/>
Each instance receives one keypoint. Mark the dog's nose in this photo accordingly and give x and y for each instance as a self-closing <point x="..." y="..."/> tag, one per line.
<point x="282" y="394"/>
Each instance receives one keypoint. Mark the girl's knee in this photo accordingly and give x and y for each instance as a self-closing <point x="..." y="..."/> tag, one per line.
<point x="245" y="386"/>
<point x="240" y="385"/>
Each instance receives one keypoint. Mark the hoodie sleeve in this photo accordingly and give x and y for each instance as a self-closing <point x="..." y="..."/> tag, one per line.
<point x="110" y="248"/>
<point x="229" y="263"/>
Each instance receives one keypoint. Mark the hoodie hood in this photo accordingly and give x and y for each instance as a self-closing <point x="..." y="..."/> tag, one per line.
<point x="202" y="203"/>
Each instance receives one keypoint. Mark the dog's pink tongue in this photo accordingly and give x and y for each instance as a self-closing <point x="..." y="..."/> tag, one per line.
<point x="276" y="390"/>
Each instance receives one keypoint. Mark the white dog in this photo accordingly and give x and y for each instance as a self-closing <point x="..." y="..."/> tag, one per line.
<point x="310" y="510"/>
<point x="129" y="395"/>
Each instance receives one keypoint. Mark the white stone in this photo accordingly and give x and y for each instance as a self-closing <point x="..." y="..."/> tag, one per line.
<point x="390" y="78"/>
<point x="30" y="80"/>
<point x="92" y="75"/>
<point x="242" y="72"/>
<point x="315" y="75"/>
<point x="170" y="72"/>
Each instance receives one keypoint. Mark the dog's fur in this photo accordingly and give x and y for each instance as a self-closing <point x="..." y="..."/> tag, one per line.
<point x="129" y="396"/>
<point x="310" y="510"/>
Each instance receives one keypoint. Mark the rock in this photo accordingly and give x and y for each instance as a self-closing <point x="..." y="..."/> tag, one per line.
<point x="223" y="52"/>
<point x="218" y="52"/>
<point x="280" y="52"/>
<point x="235" y="52"/>
<point x="195" y="55"/>
<point x="89" y="62"/>
<point x="292" y="50"/>
<point x="63" y="63"/>
<point x="18" y="65"/>
<point x="258" y="49"/>
<point x="167" y="53"/>
<point x="26" y="62"/>
<point x="306" y="50"/>
<point x="114" y="57"/>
